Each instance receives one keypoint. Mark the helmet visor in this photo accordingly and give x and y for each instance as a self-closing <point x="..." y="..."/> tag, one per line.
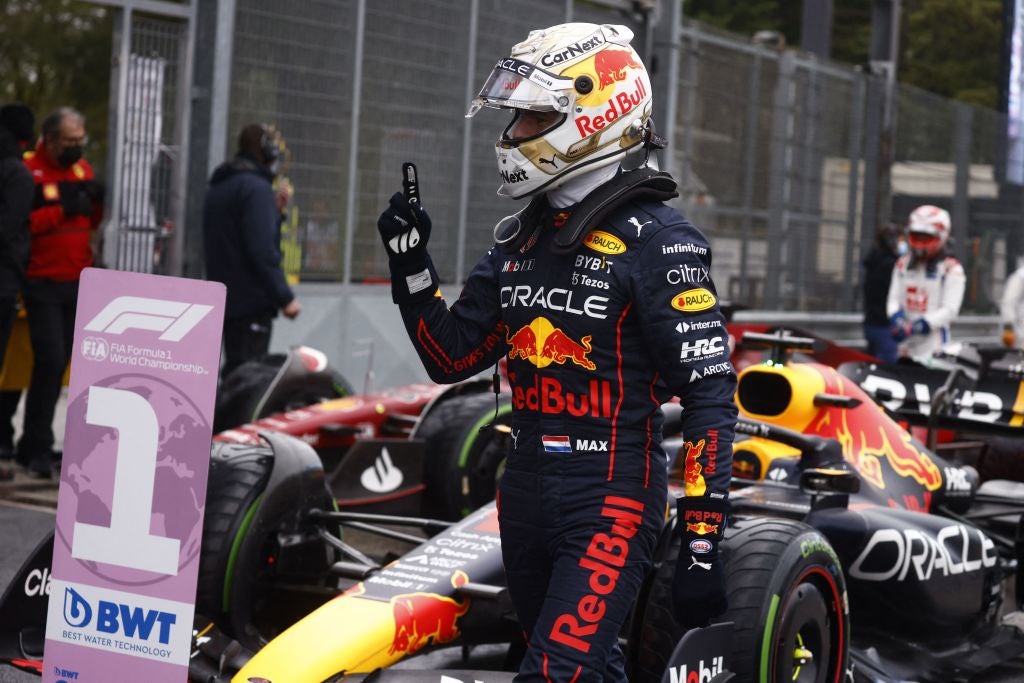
<point x="520" y="85"/>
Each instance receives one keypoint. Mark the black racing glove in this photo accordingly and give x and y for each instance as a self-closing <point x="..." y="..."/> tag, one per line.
<point x="75" y="199"/>
<point x="405" y="229"/>
<point x="698" y="587"/>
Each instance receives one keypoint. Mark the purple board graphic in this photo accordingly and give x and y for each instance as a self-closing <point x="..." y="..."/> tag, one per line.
<point x="133" y="480"/>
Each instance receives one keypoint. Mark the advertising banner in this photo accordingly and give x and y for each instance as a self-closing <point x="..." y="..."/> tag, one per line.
<point x="133" y="480"/>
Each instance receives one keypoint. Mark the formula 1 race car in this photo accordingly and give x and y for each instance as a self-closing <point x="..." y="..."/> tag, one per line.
<point x="414" y="449"/>
<point x="856" y="553"/>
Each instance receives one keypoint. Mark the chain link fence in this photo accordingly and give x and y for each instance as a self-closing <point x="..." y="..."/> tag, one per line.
<point x="787" y="162"/>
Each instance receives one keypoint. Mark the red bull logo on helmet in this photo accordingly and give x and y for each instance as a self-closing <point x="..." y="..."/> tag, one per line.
<point x="426" y="618"/>
<point x="611" y="65"/>
<point x="619" y="105"/>
<point x="542" y="344"/>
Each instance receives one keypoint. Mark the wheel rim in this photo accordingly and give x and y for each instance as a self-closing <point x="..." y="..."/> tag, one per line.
<point x="809" y="637"/>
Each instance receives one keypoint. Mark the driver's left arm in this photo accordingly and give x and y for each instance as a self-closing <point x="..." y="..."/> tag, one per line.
<point x="953" y="286"/>
<point x="692" y="359"/>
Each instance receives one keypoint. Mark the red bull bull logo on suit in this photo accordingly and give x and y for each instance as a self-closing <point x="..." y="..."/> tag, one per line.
<point x="542" y="343"/>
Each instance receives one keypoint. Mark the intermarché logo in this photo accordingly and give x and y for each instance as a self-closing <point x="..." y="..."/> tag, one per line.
<point x="173" y="319"/>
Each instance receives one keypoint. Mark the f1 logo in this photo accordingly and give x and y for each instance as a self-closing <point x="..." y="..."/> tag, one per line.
<point x="174" y="319"/>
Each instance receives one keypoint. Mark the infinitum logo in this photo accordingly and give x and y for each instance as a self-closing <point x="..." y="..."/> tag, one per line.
<point x="174" y="319"/>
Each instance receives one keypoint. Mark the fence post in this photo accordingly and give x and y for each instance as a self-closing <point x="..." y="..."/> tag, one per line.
<point x="780" y="181"/>
<point x="750" y="163"/>
<point x="851" y="272"/>
<point x="352" y="195"/>
<point x="961" y="193"/>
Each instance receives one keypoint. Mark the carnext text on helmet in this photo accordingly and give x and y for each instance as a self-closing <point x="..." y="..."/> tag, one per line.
<point x="574" y="50"/>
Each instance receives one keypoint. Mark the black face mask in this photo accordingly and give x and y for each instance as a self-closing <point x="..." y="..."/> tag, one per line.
<point x="69" y="155"/>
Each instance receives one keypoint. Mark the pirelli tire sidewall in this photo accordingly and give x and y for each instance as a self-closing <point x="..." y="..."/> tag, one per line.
<point x="786" y="589"/>
<point x="238" y="478"/>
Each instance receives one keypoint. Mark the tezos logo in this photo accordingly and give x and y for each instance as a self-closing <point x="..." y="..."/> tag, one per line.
<point x="173" y="319"/>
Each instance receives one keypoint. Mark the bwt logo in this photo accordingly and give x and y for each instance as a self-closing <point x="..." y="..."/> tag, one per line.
<point x="174" y="319"/>
<point x="113" y="618"/>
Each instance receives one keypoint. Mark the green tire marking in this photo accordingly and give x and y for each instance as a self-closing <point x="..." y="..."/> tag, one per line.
<point x="766" y="638"/>
<point x="236" y="545"/>
<point x="468" y="445"/>
<point x="475" y="430"/>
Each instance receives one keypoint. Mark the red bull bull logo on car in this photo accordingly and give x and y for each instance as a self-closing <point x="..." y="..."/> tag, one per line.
<point x="542" y="344"/>
<point x="425" y="618"/>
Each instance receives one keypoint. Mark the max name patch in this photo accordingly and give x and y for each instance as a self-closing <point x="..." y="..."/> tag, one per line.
<point x="604" y="242"/>
<point x="693" y="300"/>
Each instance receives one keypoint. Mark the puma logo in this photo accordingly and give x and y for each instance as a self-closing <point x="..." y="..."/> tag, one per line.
<point x="696" y="563"/>
<point x="542" y="160"/>
<point x="638" y="224"/>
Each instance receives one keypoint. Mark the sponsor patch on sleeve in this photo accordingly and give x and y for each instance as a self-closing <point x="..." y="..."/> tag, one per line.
<point x="604" y="242"/>
<point x="694" y="300"/>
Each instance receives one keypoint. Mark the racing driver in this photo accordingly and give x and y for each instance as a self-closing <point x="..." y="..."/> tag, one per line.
<point x="927" y="287"/>
<point x="601" y="298"/>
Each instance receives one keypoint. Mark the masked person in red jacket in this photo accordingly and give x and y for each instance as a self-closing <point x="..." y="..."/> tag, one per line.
<point x="67" y="207"/>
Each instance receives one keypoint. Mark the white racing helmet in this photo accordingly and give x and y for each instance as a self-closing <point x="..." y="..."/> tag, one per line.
<point x="590" y="76"/>
<point x="928" y="230"/>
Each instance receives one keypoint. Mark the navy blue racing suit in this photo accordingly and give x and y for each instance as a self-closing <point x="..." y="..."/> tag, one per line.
<point x="596" y="340"/>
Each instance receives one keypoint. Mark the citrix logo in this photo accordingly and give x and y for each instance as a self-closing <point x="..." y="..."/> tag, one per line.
<point x="173" y="319"/>
<point x="111" y="617"/>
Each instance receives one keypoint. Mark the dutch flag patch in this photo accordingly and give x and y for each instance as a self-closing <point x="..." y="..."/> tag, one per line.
<point x="556" y="444"/>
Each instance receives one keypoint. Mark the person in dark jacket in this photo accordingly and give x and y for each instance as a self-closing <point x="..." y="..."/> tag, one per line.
<point x="878" y="265"/>
<point x="241" y="238"/>
<point x="15" y="206"/>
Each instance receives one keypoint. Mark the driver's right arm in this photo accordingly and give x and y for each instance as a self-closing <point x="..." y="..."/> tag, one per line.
<point x="462" y="341"/>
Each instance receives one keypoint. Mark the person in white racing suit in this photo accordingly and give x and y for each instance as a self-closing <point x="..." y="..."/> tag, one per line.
<point x="1011" y="309"/>
<point x="927" y="287"/>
